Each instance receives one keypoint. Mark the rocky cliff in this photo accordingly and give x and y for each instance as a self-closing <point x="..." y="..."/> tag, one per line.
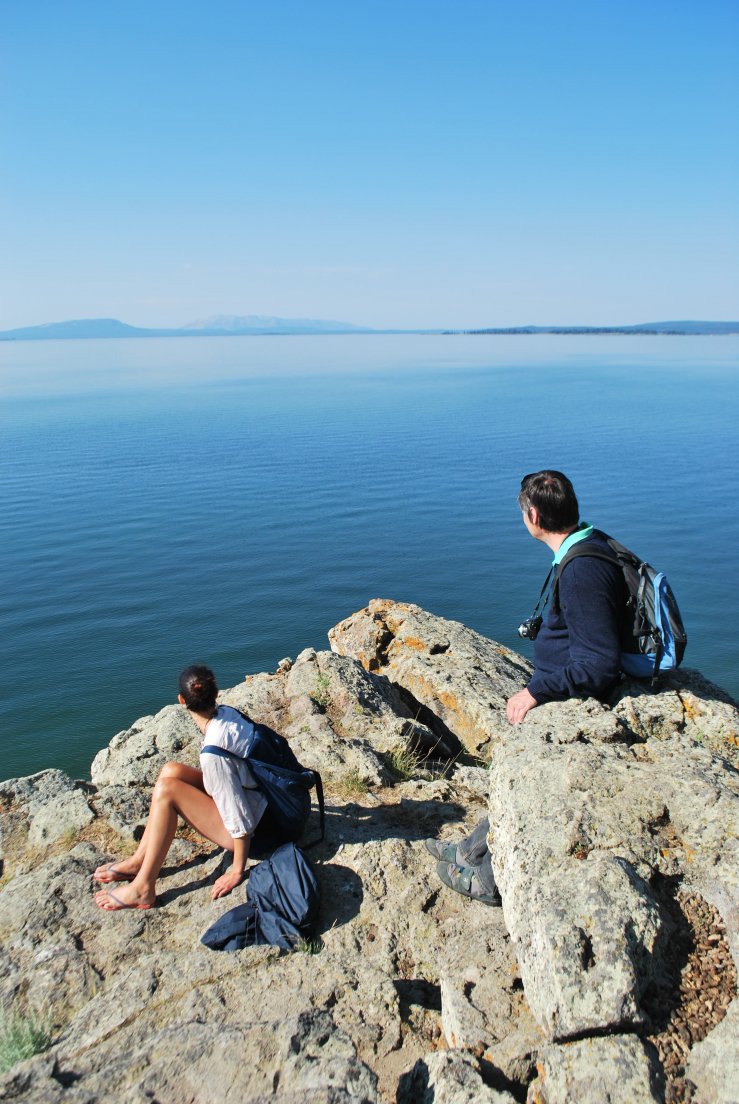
<point x="608" y="974"/>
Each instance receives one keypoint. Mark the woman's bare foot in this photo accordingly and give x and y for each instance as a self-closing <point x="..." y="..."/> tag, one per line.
<point x="122" y="871"/>
<point x="128" y="897"/>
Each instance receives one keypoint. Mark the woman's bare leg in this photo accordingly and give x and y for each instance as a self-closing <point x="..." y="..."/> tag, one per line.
<point x="127" y="869"/>
<point x="172" y="796"/>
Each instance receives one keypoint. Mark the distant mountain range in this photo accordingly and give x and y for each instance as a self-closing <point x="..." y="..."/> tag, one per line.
<point x="230" y="325"/>
<point x="220" y="325"/>
<point x="684" y="328"/>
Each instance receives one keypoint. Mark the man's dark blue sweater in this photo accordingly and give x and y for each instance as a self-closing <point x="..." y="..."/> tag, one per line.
<point x="578" y="650"/>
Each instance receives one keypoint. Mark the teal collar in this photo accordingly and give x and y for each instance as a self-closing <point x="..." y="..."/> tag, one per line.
<point x="579" y="534"/>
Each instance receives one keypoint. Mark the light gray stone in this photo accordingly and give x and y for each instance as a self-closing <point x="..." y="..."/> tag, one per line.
<point x="618" y="1070"/>
<point x="42" y="809"/>
<point x="474" y="779"/>
<point x="685" y="704"/>
<point x="111" y="982"/>
<point x="125" y="808"/>
<point x="713" y="1065"/>
<point x="462" y="1023"/>
<point x="587" y="805"/>
<point x="298" y="1059"/>
<point x="579" y="826"/>
<point x="575" y="898"/>
<point x="449" y="1077"/>
<point x="339" y="718"/>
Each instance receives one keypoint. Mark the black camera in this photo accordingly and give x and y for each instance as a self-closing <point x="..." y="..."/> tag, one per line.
<point x="529" y="629"/>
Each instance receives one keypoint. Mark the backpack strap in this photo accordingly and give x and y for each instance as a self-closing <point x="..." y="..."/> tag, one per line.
<point x="579" y="549"/>
<point x="656" y="631"/>
<point x="213" y="749"/>
<point x="321" y="809"/>
<point x="635" y="602"/>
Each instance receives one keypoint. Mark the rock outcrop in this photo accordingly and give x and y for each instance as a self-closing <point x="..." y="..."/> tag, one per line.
<point x="608" y="973"/>
<point x="450" y="675"/>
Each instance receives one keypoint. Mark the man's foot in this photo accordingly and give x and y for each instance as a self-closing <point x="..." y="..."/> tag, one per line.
<point x="126" y="898"/>
<point x="112" y="872"/>
<point x="442" y="850"/>
<point x="466" y="880"/>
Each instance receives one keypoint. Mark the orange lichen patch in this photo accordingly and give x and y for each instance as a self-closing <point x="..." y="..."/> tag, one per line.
<point x="691" y="708"/>
<point x="427" y="692"/>
<point x="378" y="604"/>
<point x="413" y="643"/>
<point x="448" y="707"/>
<point x="537" y="1093"/>
<point x="451" y="701"/>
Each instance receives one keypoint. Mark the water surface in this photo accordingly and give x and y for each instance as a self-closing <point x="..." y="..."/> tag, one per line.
<point x="230" y="499"/>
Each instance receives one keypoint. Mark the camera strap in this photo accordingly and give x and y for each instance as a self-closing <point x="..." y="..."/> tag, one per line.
<point x="544" y="594"/>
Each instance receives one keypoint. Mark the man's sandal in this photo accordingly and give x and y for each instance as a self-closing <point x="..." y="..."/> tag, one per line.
<point x="466" y="880"/>
<point x="442" y="850"/>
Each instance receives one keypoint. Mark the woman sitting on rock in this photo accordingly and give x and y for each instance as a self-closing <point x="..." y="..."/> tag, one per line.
<point x="221" y="801"/>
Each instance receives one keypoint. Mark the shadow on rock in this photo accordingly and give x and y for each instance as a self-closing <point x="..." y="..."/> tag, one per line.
<point x="407" y="819"/>
<point x="341" y="896"/>
<point x="171" y="895"/>
<point x="670" y="954"/>
<point x="188" y="864"/>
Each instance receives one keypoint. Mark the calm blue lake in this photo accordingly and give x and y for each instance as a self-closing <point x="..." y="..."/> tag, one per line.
<point x="230" y="499"/>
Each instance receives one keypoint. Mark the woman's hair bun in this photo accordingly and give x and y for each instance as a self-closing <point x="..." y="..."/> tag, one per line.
<point x="198" y="688"/>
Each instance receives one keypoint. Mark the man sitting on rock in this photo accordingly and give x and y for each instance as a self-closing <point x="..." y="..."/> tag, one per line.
<point x="577" y="651"/>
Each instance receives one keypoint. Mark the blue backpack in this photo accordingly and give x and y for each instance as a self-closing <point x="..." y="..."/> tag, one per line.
<point x="653" y="639"/>
<point x="281" y="778"/>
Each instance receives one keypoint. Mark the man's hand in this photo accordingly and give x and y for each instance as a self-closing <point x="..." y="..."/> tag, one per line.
<point x="518" y="706"/>
<point x="226" y="883"/>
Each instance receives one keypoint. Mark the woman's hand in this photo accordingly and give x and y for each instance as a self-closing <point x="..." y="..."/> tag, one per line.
<point x="226" y="883"/>
<point x="237" y="873"/>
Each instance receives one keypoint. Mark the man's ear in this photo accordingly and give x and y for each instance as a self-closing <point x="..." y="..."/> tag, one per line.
<point x="533" y="515"/>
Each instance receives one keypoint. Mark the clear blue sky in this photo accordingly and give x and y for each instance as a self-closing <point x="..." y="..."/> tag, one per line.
<point x="400" y="164"/>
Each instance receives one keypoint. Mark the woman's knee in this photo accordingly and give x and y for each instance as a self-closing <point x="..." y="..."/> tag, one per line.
<point x="166" y="784"/>
<point x="170" y="770"/>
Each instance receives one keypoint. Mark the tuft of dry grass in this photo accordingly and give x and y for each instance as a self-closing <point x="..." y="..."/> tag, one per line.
<point x="348" y="785"/>
<point x="403" y="762"/>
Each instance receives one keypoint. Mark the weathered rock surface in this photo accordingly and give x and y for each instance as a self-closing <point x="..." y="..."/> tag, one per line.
<point x="600" y="820"/>
<point x="298" y="1059"/>
<point x="620" y="1070"/>
<point x="441" y="666"/>
<point x="42" y="809"/>
<point x="449" y="1077"/>
<point x="578" y="867"/>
